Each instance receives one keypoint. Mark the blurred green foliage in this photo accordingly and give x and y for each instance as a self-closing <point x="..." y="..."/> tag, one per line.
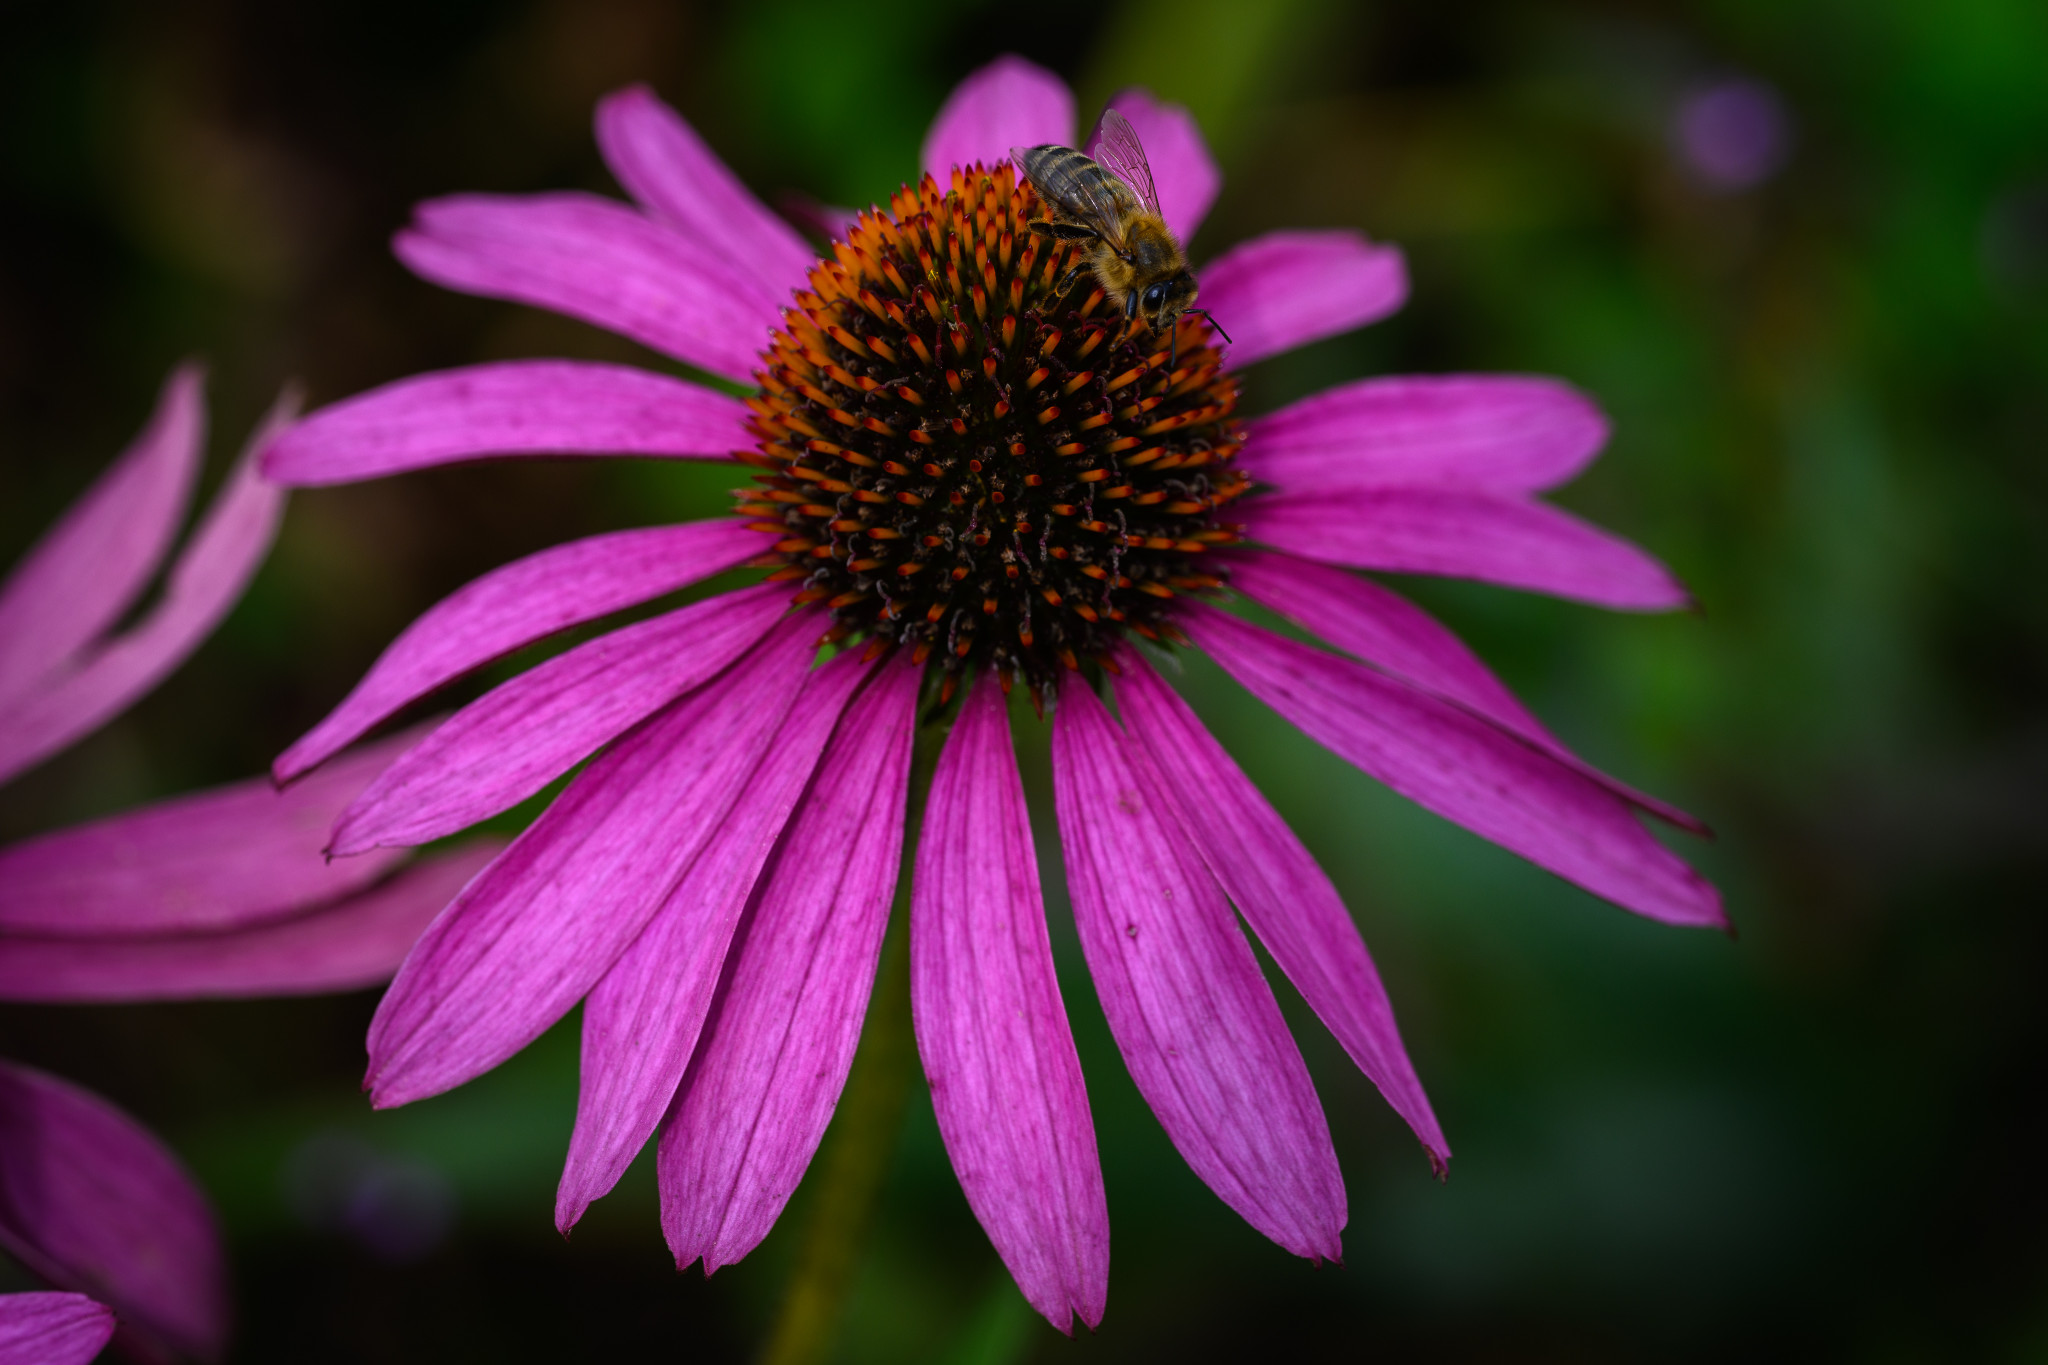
<point x="1830" y="391"/>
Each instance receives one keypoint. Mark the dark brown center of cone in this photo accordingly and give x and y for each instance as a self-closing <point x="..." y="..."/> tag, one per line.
<point x="960" y="459"/>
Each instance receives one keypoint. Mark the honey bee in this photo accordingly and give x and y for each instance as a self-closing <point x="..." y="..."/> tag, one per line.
<point x="1114" y="206"/>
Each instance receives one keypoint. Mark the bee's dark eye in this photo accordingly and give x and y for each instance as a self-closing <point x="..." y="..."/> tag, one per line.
<point x="1156" y="295"/>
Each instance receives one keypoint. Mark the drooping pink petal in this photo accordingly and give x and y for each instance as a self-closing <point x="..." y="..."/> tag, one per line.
<point x="513" y="606"/>
<point x="1008" y="103"/>
<point x="91" y="1202"/>
<point x="1388" y="631"/>
<point x="1182" y="170"/>
<point x="355" y="942"/>
<point x="641" y="1022"/>
<point x="1191" y="1012"/>
<point x="1005" y="1079"/>
<point x="218" y="859"/>
<point x="513" y="407"/>
<point x="52" y="1329"/>
<point x="776" y="1050"/>
<point x="523" y="734"/>
<point x="1460" y="533"/>
<point x="1464" y="768"/>
<point x="1275" y="883"/>
<point x="600" y="261"/>
<point x="669" y="171"/>
<point x="1286" y="289"/>
<point x="95" y="561"/>
<point x="1504" y="432"/>
<point x="205" y="581"/>
<point x="540" y="926"/>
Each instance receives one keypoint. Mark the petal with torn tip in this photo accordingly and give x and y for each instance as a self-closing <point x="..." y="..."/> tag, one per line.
<point x="355" y="942"/>
<point x="206" y="580"/>
<point x="991" y="1028"/>
<point x="1464" y="768"/>
<point x="93" y="564"/>
<point x="217" y="859"/>
<point x="1286" y="289"/>
<point x="523" y="734"/>
<point x="515" y="407"/>
<point x="602" y="262"/>
<point x="1463" y="533"/>
<point x="641" y="1022"/>
<point x="1277" y="887"/>
<point x="1507" y="432"/>
<point x="513" y="606"/>
<point x="780" y="1041"/>
<point x="669" y="171"/>
<point x="1191" y="1013"/>
<point x="1008" y="103"/>
<point x="52" y="1329"/>
<point x="542" y="924"/>
<point x="90" y="1201"/>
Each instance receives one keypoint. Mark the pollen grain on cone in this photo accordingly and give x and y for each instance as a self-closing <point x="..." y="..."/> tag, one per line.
<point x="960" y="457"/>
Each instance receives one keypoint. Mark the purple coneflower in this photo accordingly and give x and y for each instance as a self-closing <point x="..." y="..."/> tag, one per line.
<point x="964" y="484"/>
<point x="219" y="893"/>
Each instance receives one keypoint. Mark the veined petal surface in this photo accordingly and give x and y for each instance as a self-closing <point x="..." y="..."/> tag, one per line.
<point x="542" y="924"/>
<point x="1507" y="539"/>
<point x="513" y="407"/>
<point x="992" y="1030"/>
<point x="669" y="171"/>
<point x="1285" y="898"/>
<point x="513" y="606"/>
<point x="95" y="561"/>
<point x="779" y="1043"/>
<point x="219" y="859"/>
<point x="642" y="1021"/>
<point x="52" y="1329"/>
<point x="1286" y="289"/>
<point x="1182" y="170"/>
<point x="1191" y="1013"/>
<point x="90" y="1201"/>
<point x="523" y="734"/>
<point x="1464" y="768"/>
<point x="355" y="942"/>
<point x="1509" y="433"/>
<point x="599" y="261"/>
<point x="1008" y="103"/>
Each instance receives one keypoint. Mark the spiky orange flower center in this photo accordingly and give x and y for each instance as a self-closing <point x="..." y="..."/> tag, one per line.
<point x="960" y="458"/>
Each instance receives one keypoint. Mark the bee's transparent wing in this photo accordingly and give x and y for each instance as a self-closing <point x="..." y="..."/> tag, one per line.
<point x="1123" y="156"/>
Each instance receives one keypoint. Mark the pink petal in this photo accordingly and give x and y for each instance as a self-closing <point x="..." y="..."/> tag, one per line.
<point x="1275" y="883"/>
<point x="52" y="1329"/>
<point x="641" y="1022"/>
<point x="206" y="580"/>
<point x="669" y="171"/>
<point x="1462" y="767"/>
<point x="1504" y="432"/>
<point x="1192" y="1014"/>
<point x="1506" y="539"/>
<point x="91" y="566"/>
<point x="1182" y="170"/>
<point x="355" y="942"/>
<point x="776" y="1050"/>
<point x="540" y="926"/>
<point x="91" y="1202"/>
<point x="219" y="859"/>
<point x="513" y="606"/>
<point x="1393" y="634"/>
<point x="1008" y="103"/>
<point x="1286" y="289"/>
<point x="991" y="1028"/>
<point x="599" y="261"/>
<point x="514" y="407"/>
<point x="515" y="739"/>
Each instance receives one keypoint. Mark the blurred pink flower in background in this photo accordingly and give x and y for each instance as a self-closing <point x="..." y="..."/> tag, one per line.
<point x="714" y="885"/>
<point x="1733" y="134"/>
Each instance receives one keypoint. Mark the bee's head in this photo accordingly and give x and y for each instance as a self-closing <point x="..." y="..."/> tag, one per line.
<point x="1165" y="300"/>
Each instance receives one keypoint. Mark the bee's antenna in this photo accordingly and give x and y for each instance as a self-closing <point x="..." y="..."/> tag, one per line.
<point x="1212" y="322"/>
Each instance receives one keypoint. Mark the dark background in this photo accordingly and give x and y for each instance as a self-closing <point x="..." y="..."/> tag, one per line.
<point x="1830" y="385"/>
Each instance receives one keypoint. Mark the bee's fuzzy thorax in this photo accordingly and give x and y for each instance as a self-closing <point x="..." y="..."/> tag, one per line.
<point x="957" y="460"/>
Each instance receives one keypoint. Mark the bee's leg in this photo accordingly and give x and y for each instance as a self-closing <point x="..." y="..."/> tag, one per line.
<point x="1065" y="232"/>
<point x="1130" y="305"/>
<point x="1173" y="349"/>
<point x="1059" y="291"/>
